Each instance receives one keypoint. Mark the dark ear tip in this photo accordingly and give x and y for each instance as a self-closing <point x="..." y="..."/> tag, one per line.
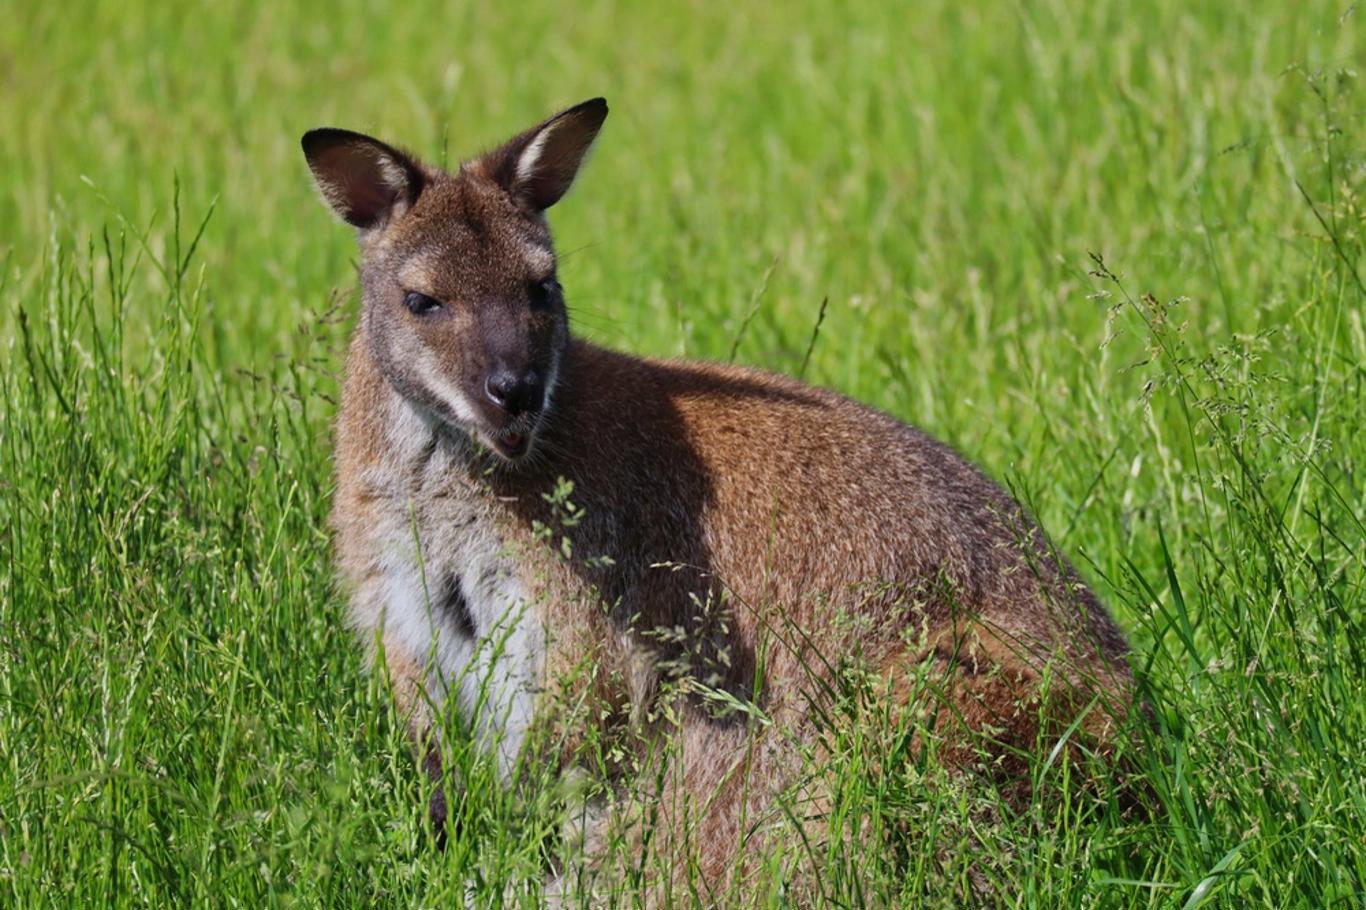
<point x="325" y="137"/>
<point x="314" y="141"/>
<point x="595" y="106"/>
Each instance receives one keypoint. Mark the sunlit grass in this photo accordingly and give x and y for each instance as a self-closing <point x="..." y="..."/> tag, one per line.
<point x="184" y="719"/>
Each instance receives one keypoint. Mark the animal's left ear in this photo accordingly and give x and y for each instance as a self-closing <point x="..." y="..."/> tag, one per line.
<point x="537" y="167"/>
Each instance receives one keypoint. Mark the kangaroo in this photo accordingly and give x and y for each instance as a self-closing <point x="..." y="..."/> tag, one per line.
<point x="525" y="520"/>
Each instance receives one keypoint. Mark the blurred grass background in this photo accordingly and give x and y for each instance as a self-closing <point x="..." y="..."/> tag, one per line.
<point x="182" y="714"/>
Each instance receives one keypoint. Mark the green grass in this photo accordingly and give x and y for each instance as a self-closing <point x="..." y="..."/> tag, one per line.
<point x="184" y="719"/>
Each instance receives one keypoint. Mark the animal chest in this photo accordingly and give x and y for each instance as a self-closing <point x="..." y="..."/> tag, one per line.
<point x="442" y="585"/>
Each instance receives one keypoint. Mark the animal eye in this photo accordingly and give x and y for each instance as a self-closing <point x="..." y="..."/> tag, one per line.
<point x="543" y="293"/>
<point x="421" y="304"/>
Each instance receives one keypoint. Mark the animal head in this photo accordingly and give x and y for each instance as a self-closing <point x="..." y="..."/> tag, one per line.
<point x="462" y="308"/>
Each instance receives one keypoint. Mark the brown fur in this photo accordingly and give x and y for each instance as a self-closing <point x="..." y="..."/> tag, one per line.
<point x="771" y="522"/>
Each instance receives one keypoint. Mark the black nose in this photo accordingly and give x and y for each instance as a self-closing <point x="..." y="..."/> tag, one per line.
<point x="514" y="392"/>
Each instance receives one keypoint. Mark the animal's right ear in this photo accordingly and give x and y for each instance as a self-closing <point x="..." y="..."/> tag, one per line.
<point x="364" y="181"/>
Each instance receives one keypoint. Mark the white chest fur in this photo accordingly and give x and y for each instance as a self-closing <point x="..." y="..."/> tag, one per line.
<point x="445" y="588"/>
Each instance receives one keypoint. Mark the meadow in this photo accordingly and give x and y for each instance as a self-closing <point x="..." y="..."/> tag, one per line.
<point x="1111" y="251"/>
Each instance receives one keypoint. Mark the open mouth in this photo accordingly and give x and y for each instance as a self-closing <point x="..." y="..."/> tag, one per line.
<point x="511" y="444"/>
<point x="510" y="435"/>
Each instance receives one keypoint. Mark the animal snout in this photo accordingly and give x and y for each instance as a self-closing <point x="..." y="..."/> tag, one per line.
<point x="515" y="392"/>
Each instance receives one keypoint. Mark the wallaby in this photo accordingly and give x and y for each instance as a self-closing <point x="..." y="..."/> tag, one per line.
<point x="528" y="521"/>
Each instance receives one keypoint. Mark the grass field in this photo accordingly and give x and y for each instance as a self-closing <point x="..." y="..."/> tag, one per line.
<point x="1112" y="251"/>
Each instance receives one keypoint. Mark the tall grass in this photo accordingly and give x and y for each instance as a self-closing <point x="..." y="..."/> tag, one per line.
<point x="1112" y="251"/>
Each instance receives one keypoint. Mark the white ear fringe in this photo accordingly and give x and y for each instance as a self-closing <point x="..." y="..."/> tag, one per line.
<point x="393" y="176"/>
<point x="531" y="155"/>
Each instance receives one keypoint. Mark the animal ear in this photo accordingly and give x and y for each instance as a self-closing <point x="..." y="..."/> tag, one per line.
<point x="364" y="181"/>
<point x="537" y="167"/>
